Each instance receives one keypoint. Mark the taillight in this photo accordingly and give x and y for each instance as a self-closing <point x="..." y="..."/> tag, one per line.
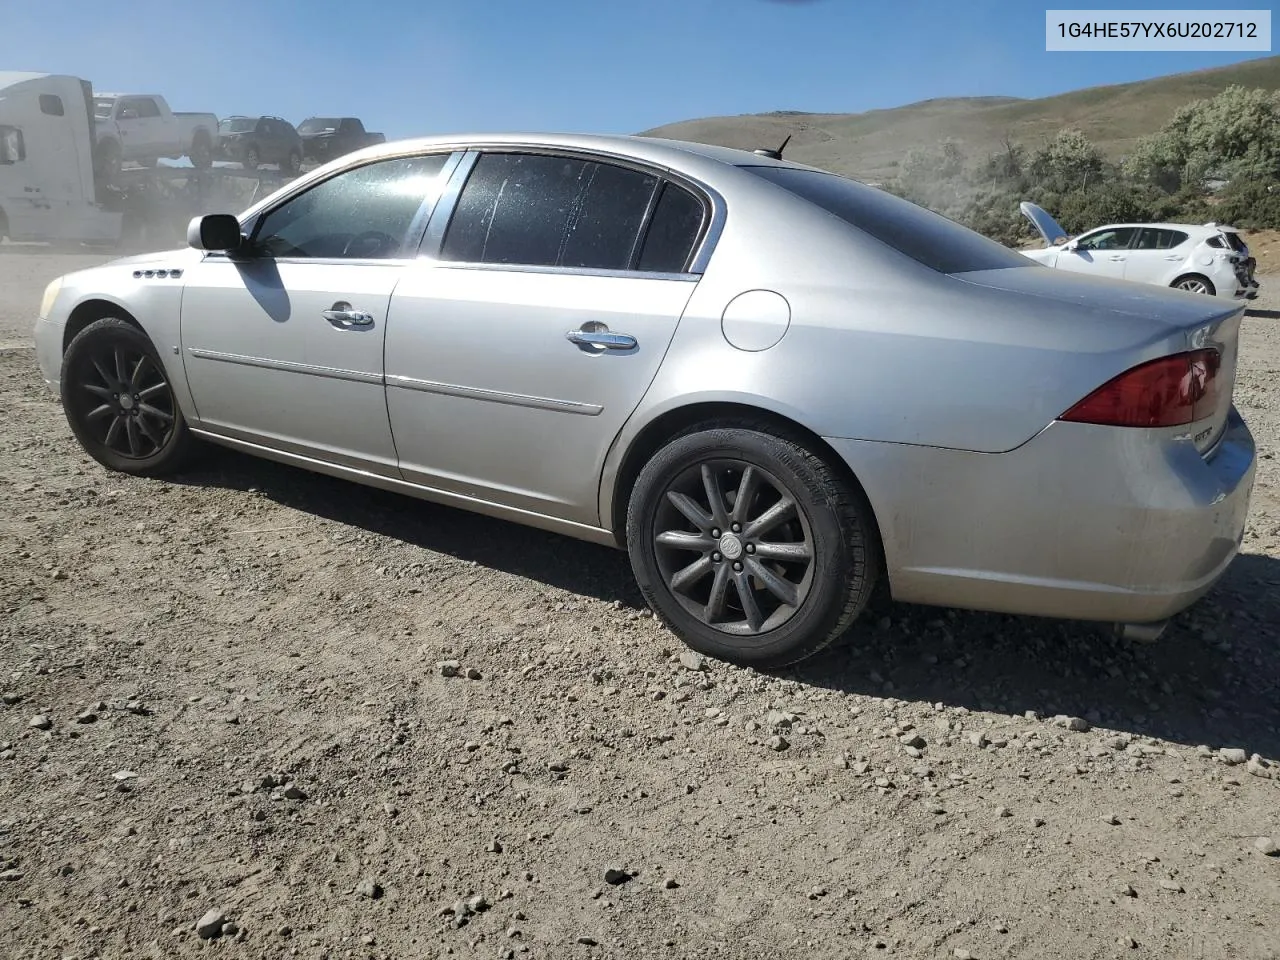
<point x="1168" y="392"/>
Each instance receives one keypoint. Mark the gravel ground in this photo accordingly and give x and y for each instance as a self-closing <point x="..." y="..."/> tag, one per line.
<point x="245" y="710"/>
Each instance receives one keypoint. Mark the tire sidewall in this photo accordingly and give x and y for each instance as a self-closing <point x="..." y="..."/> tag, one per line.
<point x="809" y="628"/>
<point x="94" y="337"/>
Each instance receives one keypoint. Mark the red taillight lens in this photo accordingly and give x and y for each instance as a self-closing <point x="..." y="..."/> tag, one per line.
<point x="1168" y="392"/>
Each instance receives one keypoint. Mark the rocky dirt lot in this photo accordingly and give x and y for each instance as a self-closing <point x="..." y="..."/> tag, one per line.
<point x="259" y="713"/>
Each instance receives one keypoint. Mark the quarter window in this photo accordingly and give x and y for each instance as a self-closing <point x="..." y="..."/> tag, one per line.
<point x="365" y="213"/>
<point x="51" y="105"/>
<point x="673" y="231"/>
<point x="550" y="211"/>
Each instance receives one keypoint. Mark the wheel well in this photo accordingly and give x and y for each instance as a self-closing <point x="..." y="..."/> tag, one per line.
<point x="90" y="311"/>
<point x="667" y="426"/>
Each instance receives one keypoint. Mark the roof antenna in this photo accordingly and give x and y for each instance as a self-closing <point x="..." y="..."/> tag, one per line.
<point x="773" y="154"/>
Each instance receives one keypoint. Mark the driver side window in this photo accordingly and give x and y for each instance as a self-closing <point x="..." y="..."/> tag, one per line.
<point x="361" y="214"/>
<point x="1116" y="239"/>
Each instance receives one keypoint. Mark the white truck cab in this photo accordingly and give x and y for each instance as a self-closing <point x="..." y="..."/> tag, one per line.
<point x="47" y="189"/>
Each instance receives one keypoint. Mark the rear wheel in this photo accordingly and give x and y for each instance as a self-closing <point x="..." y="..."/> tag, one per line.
<point x="294" y="164"/>
<point x="1194" y="283"/>
<point x="119" y="402"/>
<point x="752" y="548"/>
<point x="109" y="161"/>
<point x="251" y="159"/>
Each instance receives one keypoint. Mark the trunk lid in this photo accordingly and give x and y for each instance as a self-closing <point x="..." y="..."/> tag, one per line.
<point x="1047" y="226"/>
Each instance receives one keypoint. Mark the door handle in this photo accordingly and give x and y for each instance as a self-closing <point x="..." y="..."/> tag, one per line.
<point x="341" y="314"/>
<point x="1174" y="257"/>
<point x="601" y="338"/>
<point x="1117" y="258"/>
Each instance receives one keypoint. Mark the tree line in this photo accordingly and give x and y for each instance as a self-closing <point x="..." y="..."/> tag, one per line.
<point x="1216" y="159"/>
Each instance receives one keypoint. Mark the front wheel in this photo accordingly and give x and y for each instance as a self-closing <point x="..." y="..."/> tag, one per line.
<point x="293" y="165"/>
<point x="119" y="402"/>
<point x="749" y="546"/>
<point x="201" y="154"/>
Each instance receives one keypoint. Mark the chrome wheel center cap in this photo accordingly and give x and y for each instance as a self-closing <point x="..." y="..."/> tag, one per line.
<point x="126" y="401"/>
<point x="730" y="546"/>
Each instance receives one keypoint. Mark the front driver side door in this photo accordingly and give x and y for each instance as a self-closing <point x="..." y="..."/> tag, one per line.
<point x="283" y="348"/>
<point x="1101" y="253"/>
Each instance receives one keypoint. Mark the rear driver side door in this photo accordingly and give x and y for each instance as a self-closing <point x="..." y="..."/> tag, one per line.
<point x="534" y="324"/>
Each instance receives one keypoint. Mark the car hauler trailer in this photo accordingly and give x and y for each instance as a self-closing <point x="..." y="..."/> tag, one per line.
<point x="49" y="191"/>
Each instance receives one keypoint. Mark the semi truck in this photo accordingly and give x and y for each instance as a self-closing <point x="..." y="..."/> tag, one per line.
<point x="56" y="188"/>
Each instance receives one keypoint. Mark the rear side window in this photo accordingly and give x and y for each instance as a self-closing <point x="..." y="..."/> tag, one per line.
<point x="673" y="231"/>
<point x="51" y="105"/>
<point x="540" y="210"/>
<point x="924" y="236"/>
<point x="1153" y="238"/>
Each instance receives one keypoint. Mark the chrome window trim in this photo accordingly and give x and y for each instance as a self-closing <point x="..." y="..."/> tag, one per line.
<point x="712" y="226"/>
<point x="561" y="271"/>
<point x="494" y="396"/>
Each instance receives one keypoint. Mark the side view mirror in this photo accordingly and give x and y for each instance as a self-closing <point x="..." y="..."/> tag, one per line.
<point x="215" y="232"/>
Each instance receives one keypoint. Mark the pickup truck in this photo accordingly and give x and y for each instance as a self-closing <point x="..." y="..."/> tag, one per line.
<point x="324" y="138"/>
<point x="142" y="128"/>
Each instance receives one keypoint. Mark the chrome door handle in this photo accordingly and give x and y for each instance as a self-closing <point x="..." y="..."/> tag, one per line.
<point x="1117" y="258"/>
<point x="1174" y="257"/>
<point x="341" y="314"/>
<point x="601" y="338"/>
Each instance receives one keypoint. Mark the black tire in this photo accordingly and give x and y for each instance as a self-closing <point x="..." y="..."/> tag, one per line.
<point x="109" y="161"/>
<point x="251" y="158"/>
<point x="107" y="354"/>
<point x="201" y="155"/>
<point x="1193" y="282"/>
<point x="4" y="226"/>
<point x="292" y="165"/>
<point x="832" y="523"/>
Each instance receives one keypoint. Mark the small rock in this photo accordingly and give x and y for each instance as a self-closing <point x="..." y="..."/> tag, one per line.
<point x="1233" y="755"/>
<point x="477" y="904"/>
<point x="1111" y="819"/>
<point x="210" y="925"/>
<point x="369" y="888"/>
<point x="449" y="668"/>
<point x="615" y="876"/>
<point x="87" y="716"/>
<point x="230" y="928"/>
<point x="1173" y="886"/>
<point x="912" y="740"/>
<point x="587" y="941"/>
<point x="1257" y="768"/>
<point x="284" y="931"/>
<point x="473" y="674"/>
<point x="1076" y="724"/>
<point x="494" y="847"/>
<point x="978" y="738"/>
<point x="1129" y="942"/>
<point x="962" y="954"/>
<point x="1003" y="812"/>
<point x="10" y="876"/>
<point x="1267" y="847"/>
<point x="1128" y="891"/>
<point x="776" y="718"/>
<point x="670" y="884"/>
<point x="40" y="722"/>
<point x="121" y="775"/>
<point x="777" y="744"/>
<point x="294" y="792"/>
<point x="693" y="661"/>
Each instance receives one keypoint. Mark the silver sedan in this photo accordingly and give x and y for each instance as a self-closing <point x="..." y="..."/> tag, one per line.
<point x="773" y="386"/>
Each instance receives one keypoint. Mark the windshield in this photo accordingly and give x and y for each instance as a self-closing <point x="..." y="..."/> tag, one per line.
<point x="927" y="237"/>
<point x="319" y="125"/>
<point x="238" y="125"/>
<point x="102" y="108"/>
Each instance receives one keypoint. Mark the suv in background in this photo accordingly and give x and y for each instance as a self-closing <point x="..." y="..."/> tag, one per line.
<point x="254" y="141"/>
<point x="324" y="138"/>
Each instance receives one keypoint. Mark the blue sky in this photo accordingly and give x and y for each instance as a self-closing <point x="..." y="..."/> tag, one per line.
<point x="422" y="66"/>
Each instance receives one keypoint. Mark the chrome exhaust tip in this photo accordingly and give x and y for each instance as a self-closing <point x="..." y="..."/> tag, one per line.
<point x="1141" y="632"/>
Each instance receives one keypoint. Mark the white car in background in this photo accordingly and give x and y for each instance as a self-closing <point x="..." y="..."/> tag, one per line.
<point x="1208" y="258"/>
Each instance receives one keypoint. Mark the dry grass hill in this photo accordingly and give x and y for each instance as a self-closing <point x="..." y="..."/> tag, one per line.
<point x="869" y="145"/>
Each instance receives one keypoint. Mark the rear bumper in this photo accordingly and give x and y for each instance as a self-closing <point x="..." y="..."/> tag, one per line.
<point x="1081" y="522"/>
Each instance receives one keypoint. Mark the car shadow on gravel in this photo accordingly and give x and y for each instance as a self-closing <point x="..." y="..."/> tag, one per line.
<point x="1213" y="678"/>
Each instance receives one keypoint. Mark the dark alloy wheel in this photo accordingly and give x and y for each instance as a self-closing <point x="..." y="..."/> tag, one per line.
<point x="750" y="547"/>
<point x="118" y="400"/>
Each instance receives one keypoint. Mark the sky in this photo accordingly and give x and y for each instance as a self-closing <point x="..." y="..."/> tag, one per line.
<point x="411" y="67"/>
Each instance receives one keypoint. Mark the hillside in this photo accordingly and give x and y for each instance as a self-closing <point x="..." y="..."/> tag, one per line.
<point x="869" y="145"/>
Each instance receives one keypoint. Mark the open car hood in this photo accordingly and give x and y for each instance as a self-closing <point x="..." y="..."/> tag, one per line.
<point x="1047" y="226"/>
